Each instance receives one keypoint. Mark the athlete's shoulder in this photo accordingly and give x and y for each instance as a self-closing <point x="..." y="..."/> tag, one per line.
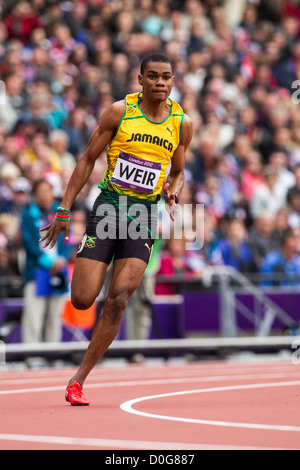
<point x="187" y="121"/>
<point x="129" y="103"/>
<point x="133" y="96"/>
<point x="176" y="108"/>
<point x="118" y="108"/>
<point x="187" y="129"/>
<point x="113" y="115"/>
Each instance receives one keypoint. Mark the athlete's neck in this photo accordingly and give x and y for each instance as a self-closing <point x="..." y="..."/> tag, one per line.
<point x="155" y="111"/>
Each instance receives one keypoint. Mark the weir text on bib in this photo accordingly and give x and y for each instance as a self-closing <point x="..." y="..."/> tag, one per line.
<point x="136" y="173"/>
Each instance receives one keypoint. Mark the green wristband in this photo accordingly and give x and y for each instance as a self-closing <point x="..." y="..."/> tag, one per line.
<point x="63" y="209"/>
<point x="62" y="219"/>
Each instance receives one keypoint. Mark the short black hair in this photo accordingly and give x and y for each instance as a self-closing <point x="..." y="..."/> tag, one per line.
<point x="156" y="57"/>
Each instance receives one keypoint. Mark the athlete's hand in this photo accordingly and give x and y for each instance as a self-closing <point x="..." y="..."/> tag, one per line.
<point x="53" y="231"/>
<point x="170" y="201"/>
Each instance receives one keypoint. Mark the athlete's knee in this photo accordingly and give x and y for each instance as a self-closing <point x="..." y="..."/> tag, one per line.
<point x="116" y="304"/>
<point x="81" y="302"/>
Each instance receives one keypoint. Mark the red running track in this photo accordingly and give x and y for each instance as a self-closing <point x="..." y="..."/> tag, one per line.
<point x="215" y="405"/>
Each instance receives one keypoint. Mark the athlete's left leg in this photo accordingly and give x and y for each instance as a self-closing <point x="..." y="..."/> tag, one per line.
<point x="127" y="275"/>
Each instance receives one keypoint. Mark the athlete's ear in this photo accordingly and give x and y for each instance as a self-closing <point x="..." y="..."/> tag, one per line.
<point x="140" y="80"/>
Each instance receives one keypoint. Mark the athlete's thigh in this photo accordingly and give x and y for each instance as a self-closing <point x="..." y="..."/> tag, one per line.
<point x="87" y="281"/>
<point x="127" y="275"/>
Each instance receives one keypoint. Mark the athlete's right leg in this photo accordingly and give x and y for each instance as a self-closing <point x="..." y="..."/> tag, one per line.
<point x="127" y="275"/>
<point x="87" y="281"/>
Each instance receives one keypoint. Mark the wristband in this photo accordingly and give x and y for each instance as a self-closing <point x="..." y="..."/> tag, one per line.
<point x="63" y="209"/>
<point x="176" y="198"/>
<point x="62" y="218"/>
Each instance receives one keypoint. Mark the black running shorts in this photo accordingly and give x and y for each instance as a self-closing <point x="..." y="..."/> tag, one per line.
<point x="119" y="227"/>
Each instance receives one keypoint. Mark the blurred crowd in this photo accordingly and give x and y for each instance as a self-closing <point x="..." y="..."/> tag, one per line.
<point x="236" y="63"/>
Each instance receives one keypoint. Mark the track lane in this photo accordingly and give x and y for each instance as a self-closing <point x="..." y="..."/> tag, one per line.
<point x="32" y="404"/>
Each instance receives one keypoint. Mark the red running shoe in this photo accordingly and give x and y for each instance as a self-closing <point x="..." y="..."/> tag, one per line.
<point x="74" y="395"/>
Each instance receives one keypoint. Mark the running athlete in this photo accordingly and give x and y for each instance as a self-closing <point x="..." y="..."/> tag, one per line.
<point x="144" y="134"/>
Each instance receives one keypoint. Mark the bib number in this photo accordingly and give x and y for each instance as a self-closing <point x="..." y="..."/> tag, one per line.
<point x="136" y="174"/>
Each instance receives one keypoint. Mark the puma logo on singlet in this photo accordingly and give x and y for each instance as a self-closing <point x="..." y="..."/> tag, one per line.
<point x="150" y="139"/>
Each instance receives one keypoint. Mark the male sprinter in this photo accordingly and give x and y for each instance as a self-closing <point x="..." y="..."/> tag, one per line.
<point x="144" y="133"/>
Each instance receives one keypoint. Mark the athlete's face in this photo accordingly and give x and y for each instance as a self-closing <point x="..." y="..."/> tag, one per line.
<point x="157" y="81"/>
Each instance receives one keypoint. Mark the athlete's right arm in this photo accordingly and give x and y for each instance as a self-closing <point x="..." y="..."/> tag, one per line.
<point x="96" y="145"/>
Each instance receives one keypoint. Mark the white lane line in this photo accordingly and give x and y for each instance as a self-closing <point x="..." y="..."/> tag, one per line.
<point x="134" y="383"/>
<point x="135" y="372"/>
<point x="116" y="443"/>
<point x="128" y="407"/>
<point x="173" y="377"/>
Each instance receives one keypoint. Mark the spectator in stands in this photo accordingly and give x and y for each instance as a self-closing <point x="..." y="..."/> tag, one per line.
<point x="228" y="185"/>
<point x="199" y="246"/>
<point x="234" y="250"/>
<point x="9" y="229"/>
<point x="9" y="173"/>
<point x="78" y="126"/>
<point x="293" y="204"/>
<point x="20" y="198"/>
<point x="5" y="268"/>
<point x="293" y="200"/>
<point x="282" y="267"/>
<point x="286" y="178"/>
<point x="281" y="224"/>
<point x="265" y="198"/>
<point x="206" y="155"/>
<point x="174" y="262"/>
<point x="46" y="270"/>
<point x="62" y="63"/>
<point x="211" y="197"/>
<point x="251" y="175"/>
<point x="12" y="106"/>
<point x="21" y="21"/>
<point x="59" y="142"/>
<point x="261" y="237"/>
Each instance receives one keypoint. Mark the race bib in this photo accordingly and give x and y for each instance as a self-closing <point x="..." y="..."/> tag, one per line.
<point x="136" y="174"/>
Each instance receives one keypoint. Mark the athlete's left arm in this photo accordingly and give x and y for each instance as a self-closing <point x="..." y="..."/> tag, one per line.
<point x="175" y="181"/>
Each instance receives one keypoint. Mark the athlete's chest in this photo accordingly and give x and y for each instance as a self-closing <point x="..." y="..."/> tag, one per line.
<point x="143" y="152"/>
<point x="150" y="138"/>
